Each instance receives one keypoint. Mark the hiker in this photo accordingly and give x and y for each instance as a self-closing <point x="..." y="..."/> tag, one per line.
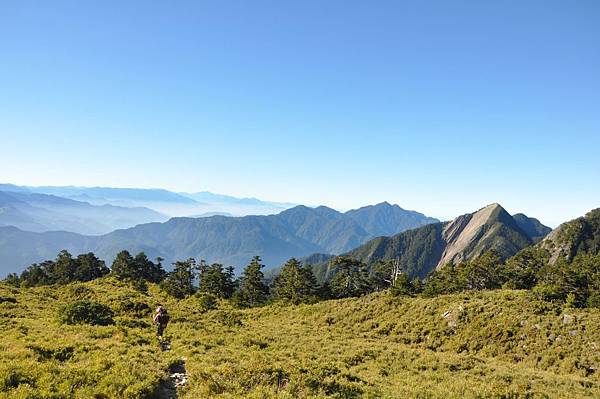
<point x="161" y="318"/>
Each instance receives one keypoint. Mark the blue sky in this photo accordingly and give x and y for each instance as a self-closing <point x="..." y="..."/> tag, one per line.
<point x="438" y="106"/>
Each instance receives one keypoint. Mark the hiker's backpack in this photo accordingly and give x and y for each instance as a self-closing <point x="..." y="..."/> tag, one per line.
<point x="163" y="318"/>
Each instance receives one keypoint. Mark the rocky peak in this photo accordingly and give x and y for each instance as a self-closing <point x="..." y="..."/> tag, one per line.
<point x="462" y="234"/>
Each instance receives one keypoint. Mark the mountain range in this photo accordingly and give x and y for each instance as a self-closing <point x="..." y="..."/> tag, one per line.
<point x="296" y="232"/>
<point x="533" y="227"/>
<point x="163" y="201"/>
<point x="385" y="219"/>
<point x="41" y="212"/>
<point x="432" y="246"/>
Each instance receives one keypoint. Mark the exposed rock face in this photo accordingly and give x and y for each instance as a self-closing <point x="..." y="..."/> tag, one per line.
<point x="579" y="236"/>
<point x="555" y="245"/>
<point x="461" y="234"/>
<point x="490" y="228"/>
<point x="424" y="249"/>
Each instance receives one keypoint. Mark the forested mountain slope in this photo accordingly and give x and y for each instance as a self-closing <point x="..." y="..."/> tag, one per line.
<point x="426" y="248"/>
<point x="581" y="235"/>
<point x="296" y="232"/>
<point x="533" y="227"/>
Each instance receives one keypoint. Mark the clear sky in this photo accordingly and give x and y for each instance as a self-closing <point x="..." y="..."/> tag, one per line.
<point x="439" y="106"/>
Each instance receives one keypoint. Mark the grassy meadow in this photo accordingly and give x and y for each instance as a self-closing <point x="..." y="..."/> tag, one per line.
<point x="488" y="344"/>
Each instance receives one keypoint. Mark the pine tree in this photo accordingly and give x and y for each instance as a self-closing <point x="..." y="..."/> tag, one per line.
<point x="379" y="278"/>
<point x="147" y="270"/>
<point x="180" y="282"/>
<point x="252" y="291"/>
<point x="37" y="274"/>
<point x="126" y="267"/>
<point x="480" y="273"/>
<point x="216" y="280"/>
<point x="350" y="279"/>
<point x="123" y="267"/>
<point x="403" y="286"/>
<point x="64" y="268"/>
<point x="294" y="283"/>
<point x="520" y="271"/>
<point x="442" y="281"/>
<point x="89" y="267"/>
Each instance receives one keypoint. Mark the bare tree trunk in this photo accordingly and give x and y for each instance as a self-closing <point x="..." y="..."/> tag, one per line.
<point x="396" y="271"/>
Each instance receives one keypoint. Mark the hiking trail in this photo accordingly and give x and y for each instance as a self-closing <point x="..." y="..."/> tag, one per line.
<point x="178" y="377"/>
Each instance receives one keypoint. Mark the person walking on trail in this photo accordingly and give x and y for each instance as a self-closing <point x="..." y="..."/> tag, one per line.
<point x="161" y="319"/>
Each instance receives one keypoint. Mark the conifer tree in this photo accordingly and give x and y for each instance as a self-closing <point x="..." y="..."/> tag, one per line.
<point x="64" y="268"/>
<point x="480" y="273"/>
<point x="351" y="278"/>
<point x="253" y="291"/>
<point x="123" y="267"/>
<point x="216" y="280"/>
<point x="180" y="282"/>
<point x="294" y="283"/>
<point x="126" y="267"/>
<point x="89" y="267"/>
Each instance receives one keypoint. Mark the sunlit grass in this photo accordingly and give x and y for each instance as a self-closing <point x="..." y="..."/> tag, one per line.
<point x="498" y="344"/>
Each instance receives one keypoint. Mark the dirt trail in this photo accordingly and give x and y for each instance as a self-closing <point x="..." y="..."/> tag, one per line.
<point x="165" y="346"/>
<point x="177" y="377"/>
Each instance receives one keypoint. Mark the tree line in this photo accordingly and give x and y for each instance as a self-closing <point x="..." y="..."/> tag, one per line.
<point x="573" y="281"/>
<point x="295" y="283"/>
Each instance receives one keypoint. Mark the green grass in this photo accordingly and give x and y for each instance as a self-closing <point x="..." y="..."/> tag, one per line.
<point x="495" y="344"/>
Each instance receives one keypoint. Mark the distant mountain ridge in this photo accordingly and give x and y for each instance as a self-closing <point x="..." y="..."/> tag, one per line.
<point x="424" y="249"/>
<point x="533" y="227"/>
<point x="296" y="232"/>
<point x="160" y="200"/>
<point x="208" y="197"/>
<point x="331" y="230"/>
<point x="103" y="193"/>
<point x="41" y="212"/>
<point x="386" y="219"/>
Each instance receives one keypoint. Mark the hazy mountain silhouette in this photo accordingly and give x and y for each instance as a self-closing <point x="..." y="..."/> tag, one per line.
<point x="296" y="232"/>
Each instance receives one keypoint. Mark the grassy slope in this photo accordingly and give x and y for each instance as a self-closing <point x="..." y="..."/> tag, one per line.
<point x="496" y="344"/>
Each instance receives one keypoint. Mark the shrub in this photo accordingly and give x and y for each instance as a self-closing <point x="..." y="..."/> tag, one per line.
<point x="228" y="319"/>
<point x="549" y="292"/>
<point x="8" y="299"/>
<point x="206" y="302"/>
<point x="13" y="280"/>
<point x="14" y="378"/>
<point x="86" y="312"/>
<point x="61" y="354"/>
<point x="136" y="309"/>
<point x="140" y="285"/>
<point x="79" y="291"/>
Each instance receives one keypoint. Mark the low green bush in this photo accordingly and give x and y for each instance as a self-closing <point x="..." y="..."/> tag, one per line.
<point x="86" y="312"/>
<point x="7" y="299"/>
<point x="206" y="302"/>
<point x="228" y="318"/>
<point x="61" y="354"/>
<point x="13" y="378"/>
